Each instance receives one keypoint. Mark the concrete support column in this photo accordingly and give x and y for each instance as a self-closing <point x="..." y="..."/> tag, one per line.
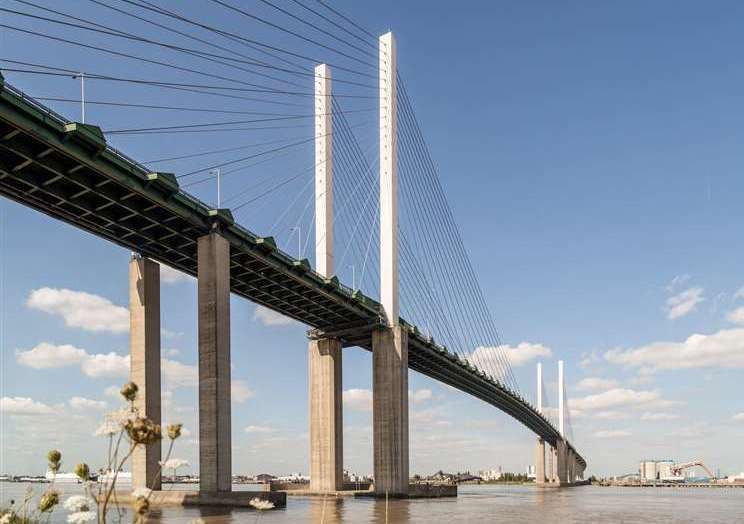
<point x="551" y="464"/>
<point x="215" y="447"/>
<point x="144" y="354"/>
<point x="561" y="463"/>
<point x="572" y="467"/>
<point x="540" y="462"/>
<point x="326" y="415"/>
<point x="390" y="410"/>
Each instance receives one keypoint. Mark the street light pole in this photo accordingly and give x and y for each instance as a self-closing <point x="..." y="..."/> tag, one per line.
<point x="81" y="75"/>
<point x="299" y="241"/>
<point x="219" y="199"/>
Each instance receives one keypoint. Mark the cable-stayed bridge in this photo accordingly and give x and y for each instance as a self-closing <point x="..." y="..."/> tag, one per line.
<point x="378" y="211"/>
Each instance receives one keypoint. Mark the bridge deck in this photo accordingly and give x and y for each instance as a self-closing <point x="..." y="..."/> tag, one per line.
<point x="67" y="171"/>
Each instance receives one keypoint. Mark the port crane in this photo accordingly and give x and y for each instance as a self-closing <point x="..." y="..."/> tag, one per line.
<point x="678" y="468"/>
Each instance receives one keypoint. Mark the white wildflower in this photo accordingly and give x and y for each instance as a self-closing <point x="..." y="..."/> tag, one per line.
<point x="115" y="421"/>
<point x="141" y="492"/>
<point x="198" y="521"/>
<point x="78" y="503"/>
<point x="261" y="505"/>
<point x="122" y="416"/>
<point x="108" y="427"/>
<point x="81" y="517"/>
<point x="5" y="519"/>
<point x="174" y="463"/>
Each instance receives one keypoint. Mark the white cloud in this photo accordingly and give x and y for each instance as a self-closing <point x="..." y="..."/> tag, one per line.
<point x="431" y="417"/>
<point x="587" y="359"/>
<point x="46" y="356"/>
<point x="736" y="316"/>
<point x="106" y="365"/>
<point x="659" y="416"/>
<point x="172" y="352"/>
<point x="80" y="309"/>
<point x="611" y="415"/>
<point x="739" y="293"/>
<point x="677" y="281"/>
<point x="739" y="417"/>
<point x="358" y="399"/>
<point x="516" y="355"/>
<point x="684" y="303"/>
<point x="86" y="404"/>
<point x="723" y="349"/>
<point x="595" y="383"/>
<point x="23" y="406"/>
<point x="240" y="391"/>
<point x="620" y="397"/>
<point x="112" y="391"/>
<point x="166" y="333"/>
<point x="168" y="275"/>
<point x="258" y="429"/>
<point x="49" y="356"/>
<point x="612" y="433"/>
<point x="422" y="395"/>
<point x="177" y="374"/>
<point x="269" y="317"/>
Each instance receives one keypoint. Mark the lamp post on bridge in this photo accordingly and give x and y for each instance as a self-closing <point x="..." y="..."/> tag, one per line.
<point x="299" y="240"/>
<point x="216" y="173"/>
<point x="81" y="76"/>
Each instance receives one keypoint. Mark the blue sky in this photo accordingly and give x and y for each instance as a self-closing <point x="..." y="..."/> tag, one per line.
<point x="591" y="155"/>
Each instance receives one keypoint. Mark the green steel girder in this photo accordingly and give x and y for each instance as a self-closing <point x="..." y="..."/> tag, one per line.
<point x="97" y="189"/>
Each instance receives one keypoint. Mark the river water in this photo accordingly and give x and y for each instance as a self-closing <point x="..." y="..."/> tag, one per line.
<point x="484" y="503"/>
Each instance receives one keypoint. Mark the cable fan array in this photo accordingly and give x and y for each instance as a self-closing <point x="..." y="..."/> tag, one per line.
<point x="222" y="96"/>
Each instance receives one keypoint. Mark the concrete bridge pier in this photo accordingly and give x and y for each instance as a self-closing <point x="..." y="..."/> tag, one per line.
<point x="571" y="463"/>
<point x="144" y="354"/>
<point x="553" y="465"/>
<point x="540" y="462"/>
<point x="390" y="410"/>
<point x="326" y="415"/>
<point x="215" y="445"/>
<point x="561" y="462"/>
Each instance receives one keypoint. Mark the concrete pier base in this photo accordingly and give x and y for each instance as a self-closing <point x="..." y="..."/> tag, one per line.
<point x="200" y="498"/>
<point x="144" y="354"/>
<point x="390" y="410"/>
<point x="326" y="416"/>
<point x="215" y="452"/>
<point x="415" y="491"/>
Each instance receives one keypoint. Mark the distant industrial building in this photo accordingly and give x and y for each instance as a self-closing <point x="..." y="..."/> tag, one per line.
<point x="491" y="474"/>
<point x="669" y="471"/>
<point x="651" y="470"/>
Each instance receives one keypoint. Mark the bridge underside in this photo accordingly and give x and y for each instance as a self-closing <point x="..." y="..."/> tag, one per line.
<point x="67" y="171"/>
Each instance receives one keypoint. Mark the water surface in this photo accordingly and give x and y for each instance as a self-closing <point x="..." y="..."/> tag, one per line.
<point x="485" y="503"/>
